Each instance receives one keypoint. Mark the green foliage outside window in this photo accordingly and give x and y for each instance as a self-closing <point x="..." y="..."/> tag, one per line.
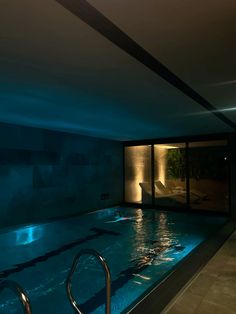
<point x="204" y="163"/>
<point x="176" y="163"/>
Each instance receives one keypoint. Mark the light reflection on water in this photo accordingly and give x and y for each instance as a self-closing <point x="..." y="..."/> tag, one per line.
<point x="157" y="240"/>
<point x="147" y="246"/>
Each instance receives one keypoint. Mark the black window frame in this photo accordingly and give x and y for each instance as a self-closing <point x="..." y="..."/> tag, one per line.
<point x="186" y="140"/>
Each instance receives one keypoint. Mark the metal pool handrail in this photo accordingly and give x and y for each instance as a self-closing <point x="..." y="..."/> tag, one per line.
<point x="12" y="285"/>
<point x="106" y="272"/>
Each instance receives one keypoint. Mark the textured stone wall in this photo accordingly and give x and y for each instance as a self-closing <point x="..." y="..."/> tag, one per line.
<point x="46" y="174"/>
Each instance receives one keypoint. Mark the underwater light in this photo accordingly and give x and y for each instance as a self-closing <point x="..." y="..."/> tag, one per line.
<point x="27" y="235"/>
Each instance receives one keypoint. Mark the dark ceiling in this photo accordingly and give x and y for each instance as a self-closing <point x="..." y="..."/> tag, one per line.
<point x="57" y="72"/>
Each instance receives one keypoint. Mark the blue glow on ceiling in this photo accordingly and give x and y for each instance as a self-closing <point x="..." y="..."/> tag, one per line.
<point x="126" y="114"/>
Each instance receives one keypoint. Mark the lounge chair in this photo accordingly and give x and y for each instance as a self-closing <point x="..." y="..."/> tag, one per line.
<point x="195" y="196"/>
<point x="167" y="196"/>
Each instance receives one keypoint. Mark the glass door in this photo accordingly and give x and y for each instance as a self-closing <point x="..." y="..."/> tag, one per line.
<point x="208" y="175"/>
<point x="170" y="174"/>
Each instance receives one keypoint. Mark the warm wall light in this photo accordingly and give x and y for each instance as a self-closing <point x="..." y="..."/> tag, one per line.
<point x="160" y="156"/>
<point x="166" y="146"/>
<point x="138" y="164"/>
<point x="139" y="170"/>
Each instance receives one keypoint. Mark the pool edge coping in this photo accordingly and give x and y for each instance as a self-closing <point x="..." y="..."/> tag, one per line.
<point x="163" y="293"/>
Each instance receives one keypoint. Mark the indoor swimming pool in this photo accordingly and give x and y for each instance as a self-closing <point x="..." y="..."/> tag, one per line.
<point x="141" y="247"/>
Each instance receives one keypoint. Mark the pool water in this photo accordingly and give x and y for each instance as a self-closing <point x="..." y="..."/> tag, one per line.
<point x="141" y="248"/>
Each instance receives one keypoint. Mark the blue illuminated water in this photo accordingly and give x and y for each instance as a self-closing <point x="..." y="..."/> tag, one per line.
<point x="140" y="246"/>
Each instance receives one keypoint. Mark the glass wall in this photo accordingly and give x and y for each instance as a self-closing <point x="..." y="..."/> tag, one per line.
<point x="170" y="174"/>
<point x="138" y="174"/>
<point x="192" y="175"/>
<point x="208" y="175"/>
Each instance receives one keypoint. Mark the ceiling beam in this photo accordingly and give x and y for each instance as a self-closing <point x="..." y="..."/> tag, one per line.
<point x="95" y="19"/>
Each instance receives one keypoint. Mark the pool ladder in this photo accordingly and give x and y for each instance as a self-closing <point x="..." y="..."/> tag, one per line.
<point x="107" y="276"/>
<point x="13" y="286"/>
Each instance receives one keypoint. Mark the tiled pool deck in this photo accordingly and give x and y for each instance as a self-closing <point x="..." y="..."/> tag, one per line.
<point x="213" y="289"/>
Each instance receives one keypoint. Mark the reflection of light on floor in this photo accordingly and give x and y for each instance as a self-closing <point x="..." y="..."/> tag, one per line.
<point x="27" y="235"/>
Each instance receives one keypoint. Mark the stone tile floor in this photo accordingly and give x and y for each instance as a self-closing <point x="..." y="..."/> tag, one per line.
<point x="213" y="289"/>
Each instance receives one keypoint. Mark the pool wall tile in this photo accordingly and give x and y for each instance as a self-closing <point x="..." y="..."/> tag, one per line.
<point x="45" y="174"/>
